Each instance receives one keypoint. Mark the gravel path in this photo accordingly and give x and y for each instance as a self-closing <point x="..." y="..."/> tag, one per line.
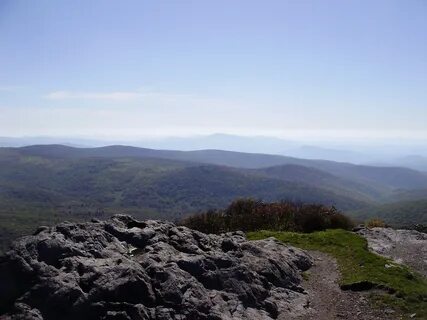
<point x="329" y="302"/>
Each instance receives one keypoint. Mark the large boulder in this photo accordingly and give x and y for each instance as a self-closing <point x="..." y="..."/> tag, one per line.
<point x="129" y="269"/>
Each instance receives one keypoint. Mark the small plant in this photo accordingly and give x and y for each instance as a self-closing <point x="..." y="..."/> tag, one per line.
<point x="375" y="223"/>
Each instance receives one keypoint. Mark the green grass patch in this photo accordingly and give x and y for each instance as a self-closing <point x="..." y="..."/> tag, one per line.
<point x="406" y="290"/>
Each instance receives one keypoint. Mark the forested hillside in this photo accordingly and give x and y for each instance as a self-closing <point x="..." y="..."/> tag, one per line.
<point x="45" y="184"/>
<point x="402" y="213"/>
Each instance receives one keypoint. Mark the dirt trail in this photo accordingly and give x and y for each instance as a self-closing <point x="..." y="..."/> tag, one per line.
<point x="329" y="302"/>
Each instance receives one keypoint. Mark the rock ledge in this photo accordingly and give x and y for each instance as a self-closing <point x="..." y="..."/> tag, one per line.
<point x="403" y="246"/>
<point x="128" y="269"/>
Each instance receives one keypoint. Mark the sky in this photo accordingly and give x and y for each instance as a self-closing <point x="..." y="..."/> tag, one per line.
<point x="290" y="69"/>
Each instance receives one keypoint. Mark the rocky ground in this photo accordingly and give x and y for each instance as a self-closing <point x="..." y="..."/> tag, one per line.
<point x="403" y="246"/>
<point x="128" y="269"/>
<point x="131" y="270"/>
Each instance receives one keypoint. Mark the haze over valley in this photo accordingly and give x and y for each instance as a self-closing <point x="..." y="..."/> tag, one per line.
<point x="213" y="160"/>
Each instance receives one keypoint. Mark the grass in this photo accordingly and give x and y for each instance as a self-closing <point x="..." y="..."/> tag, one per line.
<point x="405" y="290"/>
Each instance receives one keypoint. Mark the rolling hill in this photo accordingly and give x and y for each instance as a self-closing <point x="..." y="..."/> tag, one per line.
<point x="384" y="177"/>
<point x="49" y="183"/>
<point x="325" y="180"/>
<point x="47" y="188"/>
<point x="402" y="213"/>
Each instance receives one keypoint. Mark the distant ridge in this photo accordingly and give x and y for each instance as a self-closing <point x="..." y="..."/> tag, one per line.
<point x="379" y="177"/>
<point x="42" y="184"/>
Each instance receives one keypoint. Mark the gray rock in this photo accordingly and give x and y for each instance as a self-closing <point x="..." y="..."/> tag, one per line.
<point x="403" y="246"/>
<point x="129" y="269"/>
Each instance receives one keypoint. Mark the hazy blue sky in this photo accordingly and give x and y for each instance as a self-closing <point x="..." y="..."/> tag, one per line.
<point x="127" y="69"/>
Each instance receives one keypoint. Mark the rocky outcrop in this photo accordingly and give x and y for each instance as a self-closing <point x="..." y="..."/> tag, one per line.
<point x="129" y="269"/>
<point x="403" y="246"/>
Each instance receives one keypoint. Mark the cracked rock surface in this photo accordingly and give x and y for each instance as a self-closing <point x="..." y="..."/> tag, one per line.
<point x="128" y="269"/>
<point x="403" y="246"/>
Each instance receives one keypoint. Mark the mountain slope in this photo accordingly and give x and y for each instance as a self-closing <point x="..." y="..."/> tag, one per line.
<point x="159" y="184"/>
<point x="399" y="214"/>
<point x="37" y="189"/>
<point x="45" y="184"/>
<point x="385" y="178"/>
<point x="325" y="180"/>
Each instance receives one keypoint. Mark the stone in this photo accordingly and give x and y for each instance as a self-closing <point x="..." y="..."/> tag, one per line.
<point x="129" y="269"/>
<point x="407" y="247"/>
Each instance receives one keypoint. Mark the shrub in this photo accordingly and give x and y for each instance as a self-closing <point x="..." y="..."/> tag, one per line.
<point x="375" y="223"/>
<point x="254" y="215"/>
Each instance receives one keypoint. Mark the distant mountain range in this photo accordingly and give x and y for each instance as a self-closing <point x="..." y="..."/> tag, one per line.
<point x="49" y="183"/>
<point x="378" y="177"/>
<point x="412" y="154"/>
<point x="412" y="161"/>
